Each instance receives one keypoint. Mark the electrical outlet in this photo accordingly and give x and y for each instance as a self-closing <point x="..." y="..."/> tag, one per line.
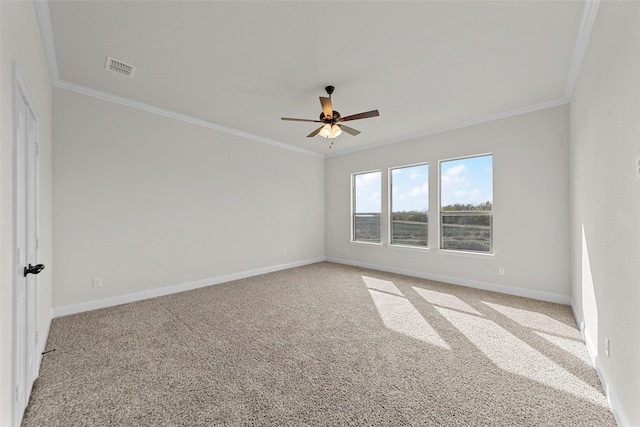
<point x="97" y="282"/>
<point x="501" y="271"/>
<point x="607" y="346"/>
<point x="284" y="254"/>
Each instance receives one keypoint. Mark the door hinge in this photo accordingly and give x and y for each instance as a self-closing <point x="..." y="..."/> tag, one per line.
<point x="37" y="148"/>
<point x="18" y="255"/>
<point x="36" y="337"/>
<point x="37" y="243"/>
<point x="17" y="392"/>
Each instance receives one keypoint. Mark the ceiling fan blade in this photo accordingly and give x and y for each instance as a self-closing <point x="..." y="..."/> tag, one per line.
<point x="372" y="113"/>
<point x="349" y="130"/>
<point x="315" y="132"/>
<point x="300" y="120"/>
<point x="327" y="108"/>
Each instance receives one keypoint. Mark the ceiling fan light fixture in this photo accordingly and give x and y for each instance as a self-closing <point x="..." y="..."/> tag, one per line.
<point x="335" y="131"/>
<point x="326" y="131"/>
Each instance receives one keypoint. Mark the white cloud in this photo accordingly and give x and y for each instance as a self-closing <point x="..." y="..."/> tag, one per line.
<point x="417" y="191"/>
<point x="456" y="170"/>
<point x="368" y="178"/>
<point x="455" y="175"/>
<point x="466" y="182"/>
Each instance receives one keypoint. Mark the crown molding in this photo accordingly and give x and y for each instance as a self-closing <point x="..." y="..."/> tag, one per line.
<point x="459" y="125"/>
<point x="46" y="29"/>
<point x="177" y="116"/>
<point x="582" y="41"/>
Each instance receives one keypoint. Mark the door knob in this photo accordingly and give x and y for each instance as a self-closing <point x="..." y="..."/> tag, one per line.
<point x="33" y="269"/>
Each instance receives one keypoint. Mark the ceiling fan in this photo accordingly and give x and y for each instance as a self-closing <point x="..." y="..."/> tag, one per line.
<point x="333" y="126"/>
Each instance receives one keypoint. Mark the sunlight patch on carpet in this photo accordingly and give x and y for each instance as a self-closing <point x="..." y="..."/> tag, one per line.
<point x="399" y="315"/>
<point x="513" y="355"/>
<point x="538" y="321"/>
<point x="557" y="333"/>
<point x="382" y="285"/>
<point x="446" y="300"/>
<point x="573" y="347"/>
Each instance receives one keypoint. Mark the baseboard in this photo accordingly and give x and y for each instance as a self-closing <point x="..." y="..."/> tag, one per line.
<point x="43" y="337"/>
<point x="578" y="316"/>
<point x="503" y="289"/>
<point x="612" y="397"/>
<point x="152" y="293"/>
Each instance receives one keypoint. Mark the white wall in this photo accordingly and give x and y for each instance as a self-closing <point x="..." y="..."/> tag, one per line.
<point x="605" y="200"/>
<point x="21" y="42"/>
<point x="144" y="201"/>
<point x="531" y="208"/>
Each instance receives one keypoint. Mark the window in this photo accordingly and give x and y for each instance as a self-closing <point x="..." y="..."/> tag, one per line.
<point x="466" y="204"/>
<point x="409" y="205"/>
<point x="366" y="206"/>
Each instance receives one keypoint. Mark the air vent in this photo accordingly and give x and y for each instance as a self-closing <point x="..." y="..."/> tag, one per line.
<point x="120" y="67"/>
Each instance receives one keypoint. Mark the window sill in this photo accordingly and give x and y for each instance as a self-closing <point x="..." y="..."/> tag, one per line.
<point x="467" y="254"/>
<point x="409" y="248"/>
<point x="355" y="242"/>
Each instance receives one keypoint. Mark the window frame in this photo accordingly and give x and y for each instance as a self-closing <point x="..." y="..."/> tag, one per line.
<point x="390" y="206"/>
<point x="353" y="208"/>
<point x="442" y="213"/>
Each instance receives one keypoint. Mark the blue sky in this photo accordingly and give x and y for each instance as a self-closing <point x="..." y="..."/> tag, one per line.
<point x="368" y="195"/>
<point x="463" y="181"/>
<point x="467" y="180"/>
<point x="410" y="188"/>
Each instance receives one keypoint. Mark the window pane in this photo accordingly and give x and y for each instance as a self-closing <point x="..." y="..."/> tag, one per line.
<point x="409" y="205"/>
<point x="409" y="229"/>
<point x="467" y="184"/>
<point x="466" y="232"/>
<point x="366" y="228"/>
<point x="466" y="204"/>
<point x="367" y="207"/>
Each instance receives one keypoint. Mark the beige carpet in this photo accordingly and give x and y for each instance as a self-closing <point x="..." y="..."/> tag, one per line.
<point x="323" y="344"/>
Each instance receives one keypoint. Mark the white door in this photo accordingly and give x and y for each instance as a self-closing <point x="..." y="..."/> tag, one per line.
<point x="26" y="247"/>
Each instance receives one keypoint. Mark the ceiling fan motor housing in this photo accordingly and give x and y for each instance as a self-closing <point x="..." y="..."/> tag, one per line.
<point x="332" y="120"/>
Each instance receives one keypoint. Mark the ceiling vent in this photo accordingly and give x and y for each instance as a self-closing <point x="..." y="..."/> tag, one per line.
<point x="120" y="67"/>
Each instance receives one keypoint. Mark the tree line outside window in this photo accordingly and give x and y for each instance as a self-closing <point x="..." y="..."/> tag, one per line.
<point x="465" y="205"/>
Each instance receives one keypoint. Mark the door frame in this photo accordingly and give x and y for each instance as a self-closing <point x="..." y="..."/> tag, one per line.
<point x="21" y="392"/>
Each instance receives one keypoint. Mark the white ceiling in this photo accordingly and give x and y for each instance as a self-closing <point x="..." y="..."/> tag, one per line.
<point x="240" y="66"/>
